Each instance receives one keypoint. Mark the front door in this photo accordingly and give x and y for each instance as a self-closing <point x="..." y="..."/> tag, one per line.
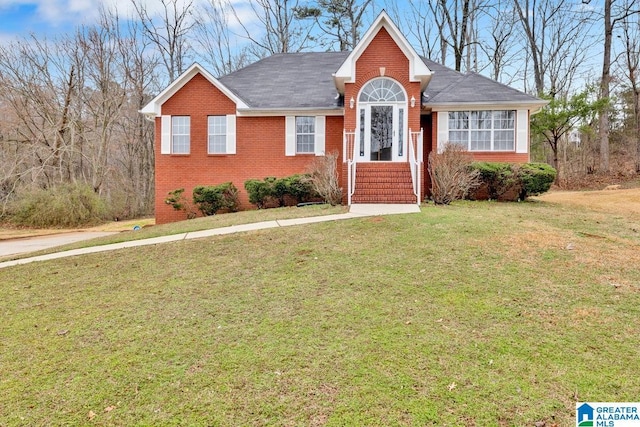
<point x="382" y="133"/>
<point x="381" y="136"/>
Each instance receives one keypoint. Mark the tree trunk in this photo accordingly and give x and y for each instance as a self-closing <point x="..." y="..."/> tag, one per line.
<point x="603" y="122"/>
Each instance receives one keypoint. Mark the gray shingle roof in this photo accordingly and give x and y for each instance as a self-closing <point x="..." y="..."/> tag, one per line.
<point x="449" y="86"/>
<point x="288" y="81"/>
<point x="304" y="80"/>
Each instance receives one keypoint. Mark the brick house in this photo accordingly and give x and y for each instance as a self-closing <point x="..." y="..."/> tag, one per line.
<point x="382" y="107"/>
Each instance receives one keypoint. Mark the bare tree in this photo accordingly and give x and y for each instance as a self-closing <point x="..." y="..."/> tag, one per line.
<point x="499" y="43"/>
<point x="557" y="41"/>
<point x="420" y="25"/>
<point x="459" y="16"/>
<point x="214" y="38"/>
<point x="169" y="33"/>
<point x="279" y="30"/>
<point x="611" y="19"/>
<point x="70" y="114"/>
<point x="40" y="83"/>
<point x="630" y="58"/>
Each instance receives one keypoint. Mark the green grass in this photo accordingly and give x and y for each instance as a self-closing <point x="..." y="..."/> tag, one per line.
<point x="472" y="314"/>
<point x="197" y="224"/>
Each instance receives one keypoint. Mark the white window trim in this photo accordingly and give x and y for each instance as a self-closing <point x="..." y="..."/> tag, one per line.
<point x="319" y="142"/>
<point x="444" y="117"/>
<point x="210" y="134"/>
<point x="312" y="134"/>
<point x="230" y="134"/>
<point x="173" y="135"/>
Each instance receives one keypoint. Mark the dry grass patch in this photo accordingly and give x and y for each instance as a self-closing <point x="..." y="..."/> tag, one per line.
<point x="620" y="202"/>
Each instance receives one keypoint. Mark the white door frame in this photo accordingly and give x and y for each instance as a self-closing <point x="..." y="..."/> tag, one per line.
<point x="363" y="146"/>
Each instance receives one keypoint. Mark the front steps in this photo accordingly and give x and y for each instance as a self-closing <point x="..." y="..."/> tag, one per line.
<point x="383" y="182"/>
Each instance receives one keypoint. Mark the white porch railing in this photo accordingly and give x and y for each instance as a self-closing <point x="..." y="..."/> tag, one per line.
<point x="348" y="154"/>
<point x="415" y="161"/>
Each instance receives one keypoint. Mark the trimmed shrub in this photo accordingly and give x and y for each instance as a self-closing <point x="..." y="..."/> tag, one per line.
<point x="260" y="191"/>
<point x="65" y="205"/>
<point x="452" y="176"/>
<point x="537" y="178"/>
<point x="512" y="182"/>
<point x="177" y="200"/>
<point x="276" y="192"/>
<point x="211" y="199"/>
<point x="498" y="181"/>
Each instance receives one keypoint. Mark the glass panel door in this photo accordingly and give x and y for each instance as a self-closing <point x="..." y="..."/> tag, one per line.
<point x="381" y="132"/>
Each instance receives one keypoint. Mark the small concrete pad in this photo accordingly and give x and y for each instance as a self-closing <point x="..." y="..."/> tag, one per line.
<point x="383" y="209"/>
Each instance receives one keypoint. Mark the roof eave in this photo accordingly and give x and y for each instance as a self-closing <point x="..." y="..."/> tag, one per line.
<point x="534" y="105"/>
<point x="291" y="111"/>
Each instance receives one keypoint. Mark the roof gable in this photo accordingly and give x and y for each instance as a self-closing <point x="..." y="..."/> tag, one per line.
<point x="154" y="107"/>
<point x="418" y="70"/>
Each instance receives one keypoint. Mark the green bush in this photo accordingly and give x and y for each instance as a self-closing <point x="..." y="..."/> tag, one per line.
<point x="498" y="181"/>
<point x="177" y="200"/>
<point x="537" y="178"/>
<point x="65" y="205"/>
<point x="260" y="191"/>
<point x="512" y="182"/>
<point x="211" y="199"/>
<point x="273" y="191"/>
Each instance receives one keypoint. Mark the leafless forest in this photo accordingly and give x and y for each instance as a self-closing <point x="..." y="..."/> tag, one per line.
<point x="69" y="105"/>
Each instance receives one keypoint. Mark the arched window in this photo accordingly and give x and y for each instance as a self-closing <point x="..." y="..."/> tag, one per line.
<point x="382" y="90"/>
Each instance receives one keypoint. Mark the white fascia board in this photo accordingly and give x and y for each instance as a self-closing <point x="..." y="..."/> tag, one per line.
<point x="278" y="112"/>
<point x="155" y="105"/>
<point x="418" y="70"/>
<point x="533" y="106"/>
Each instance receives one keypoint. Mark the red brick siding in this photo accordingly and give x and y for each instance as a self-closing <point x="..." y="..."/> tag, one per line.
<point x="382" y="52"/>
<point x="260" y="148"/>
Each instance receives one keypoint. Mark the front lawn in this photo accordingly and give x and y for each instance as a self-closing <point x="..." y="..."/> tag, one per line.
<point x="476" y="314"/>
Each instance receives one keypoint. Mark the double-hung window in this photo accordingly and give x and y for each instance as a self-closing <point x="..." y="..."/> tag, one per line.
<point x="217" y="135"/>
<point x="305" y="134"/>
<point x="483" y="130"/>
<point x="180" y="134"/>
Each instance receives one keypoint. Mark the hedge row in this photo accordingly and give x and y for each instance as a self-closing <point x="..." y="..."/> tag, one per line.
<point x="276" y="192"/>
<point x="511" y="182"/>
<point x="209" y="200"/>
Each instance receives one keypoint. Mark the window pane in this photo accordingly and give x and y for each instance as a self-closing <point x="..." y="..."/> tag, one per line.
<point x="217" y="135"/>
<point x="459" y="137"/>
<point x="401" y="131"/>
<point x="480" y="140"/>
<point x="305" y="134"/>
<point x="382" y="90"/>
<point x="304" y="143"/>
<point x="458" y="120"/>
<point x="180" y="134"/>
<point x="503" y="119"/>
<point x="503" y="140"/>
<point x="362" y="132"/>
<point x="480" y="120"/>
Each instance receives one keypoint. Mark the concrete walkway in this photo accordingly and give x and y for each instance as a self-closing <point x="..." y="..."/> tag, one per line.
<point x="356" y="211"/>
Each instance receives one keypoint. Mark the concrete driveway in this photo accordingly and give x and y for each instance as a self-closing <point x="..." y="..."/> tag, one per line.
<point x="32" y="244"/>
